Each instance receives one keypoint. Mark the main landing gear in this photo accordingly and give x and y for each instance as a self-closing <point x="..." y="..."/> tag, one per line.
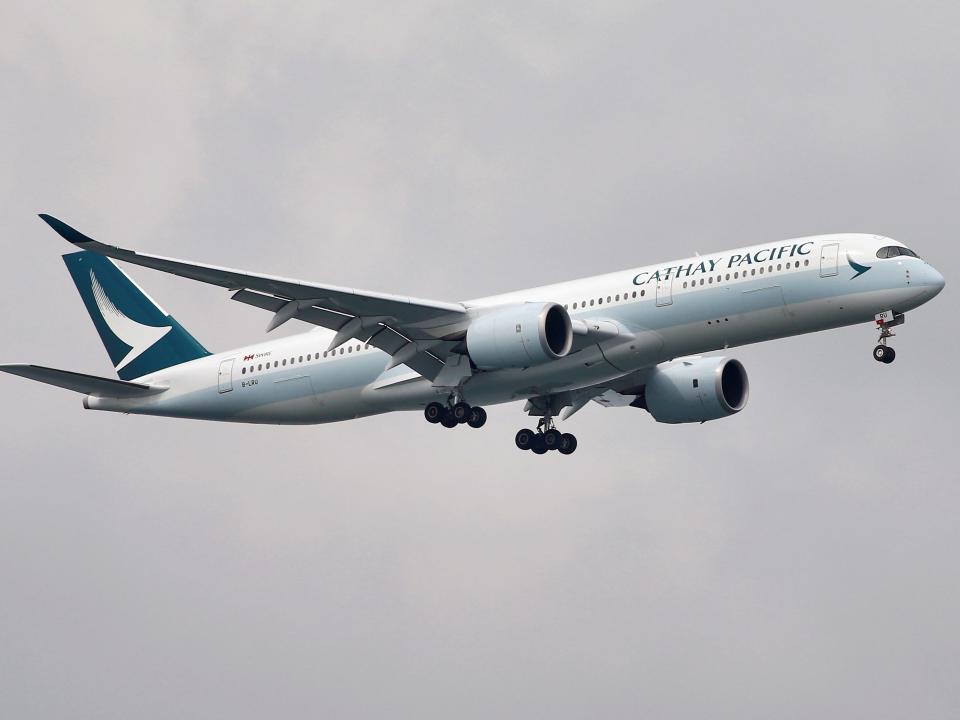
<point x="453" y="414"/>
<point x="546" y="438"/>
<point x="885" y="320"/>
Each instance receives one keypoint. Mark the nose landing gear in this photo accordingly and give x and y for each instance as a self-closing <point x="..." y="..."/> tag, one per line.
<point x="886" y="320"/>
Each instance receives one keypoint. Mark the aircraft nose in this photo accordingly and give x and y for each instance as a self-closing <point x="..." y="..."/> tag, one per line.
<point x="933" y="280"/>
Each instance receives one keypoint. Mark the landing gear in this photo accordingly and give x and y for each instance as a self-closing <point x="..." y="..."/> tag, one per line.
<point x="884" y="354"/>
<point x="478" y="417"/>
<point x="568" y="444"/>
<point x="886" y="320"/>
<point x="451" y="415"/>
<point x="546" y="438"/>
<point x="434" y="412"/>
<point x="461" y="411"/>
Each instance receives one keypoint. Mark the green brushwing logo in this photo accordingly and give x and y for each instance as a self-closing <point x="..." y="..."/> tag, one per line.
<point x="858" y="269"/>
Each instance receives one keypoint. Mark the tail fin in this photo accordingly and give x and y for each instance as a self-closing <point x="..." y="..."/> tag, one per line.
<point x="139" y="335"/>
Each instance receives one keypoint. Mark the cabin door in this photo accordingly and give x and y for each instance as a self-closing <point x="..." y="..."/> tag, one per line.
<point x="828" y="259"/>
<point x="225" y="376"/>
<point x="664" y="291"/>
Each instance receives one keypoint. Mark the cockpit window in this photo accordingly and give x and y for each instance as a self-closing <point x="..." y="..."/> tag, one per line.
<point x="893" y="251"/>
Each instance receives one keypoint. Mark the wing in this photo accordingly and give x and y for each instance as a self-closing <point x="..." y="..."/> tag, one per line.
<point x="414" y="332"/>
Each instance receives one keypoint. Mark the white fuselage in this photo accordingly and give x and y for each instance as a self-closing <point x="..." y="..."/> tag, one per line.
<point x="649" y="314"/>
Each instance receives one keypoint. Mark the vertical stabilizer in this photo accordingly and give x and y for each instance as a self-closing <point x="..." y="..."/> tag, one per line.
<point x="139" y="335"/>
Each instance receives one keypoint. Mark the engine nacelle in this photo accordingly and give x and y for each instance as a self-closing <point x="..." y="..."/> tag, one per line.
<point x="519" y="336"/>
<point x="697" y="390"/>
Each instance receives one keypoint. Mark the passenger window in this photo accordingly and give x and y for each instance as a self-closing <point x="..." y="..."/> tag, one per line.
<point x="736" y="275"/>
<point x="618" y="297"/>
<point x="591" y="303"/>
<point x="600" y="301"/>
<point x="779" y="267"/>
<point x="728" y="276"/>
<point x="260" y="366"/>
<point x="608" y="298"/>
<point x="574" y="306"/>
<point x="642" y="293"/>
<point x="634" y="293"/>
<point x="711" y="279"/>
<point x="301" y="358"/>
<point x="341" y="351"/>
<point x="350" y="348"/>
<point x="684" y="285"/>
<point x="243" y="371"/>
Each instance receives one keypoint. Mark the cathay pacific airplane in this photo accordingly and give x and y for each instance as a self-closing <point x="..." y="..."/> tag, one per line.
<point x="633" y="338"/>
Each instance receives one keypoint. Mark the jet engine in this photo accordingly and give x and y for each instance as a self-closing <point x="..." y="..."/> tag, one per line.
<point x="518" y="336"/>
<point x="697" y="390"/>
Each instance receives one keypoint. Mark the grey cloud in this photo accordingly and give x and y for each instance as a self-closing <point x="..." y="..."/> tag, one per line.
<point x="797" y="560"/>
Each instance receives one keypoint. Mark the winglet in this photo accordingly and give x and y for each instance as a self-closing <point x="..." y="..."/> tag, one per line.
<point x="65" y="231"/>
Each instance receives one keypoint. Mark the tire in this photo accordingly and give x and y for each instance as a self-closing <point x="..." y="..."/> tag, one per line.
<point x="461" y="412"/>
<point x="539" y="446"/>
<point x="524" y="439"/>
<point x="448" y="420"/>
<point x="880" y="353"/>
<point x="478" y="417"/>
<point x="568" y="444"/>
<point x="890" y="356"/>
<point x="551" y="439"/>
<point x="433" y="412"/>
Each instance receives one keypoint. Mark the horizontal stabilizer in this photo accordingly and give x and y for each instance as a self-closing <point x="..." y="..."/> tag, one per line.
<point x="78" y="382"/>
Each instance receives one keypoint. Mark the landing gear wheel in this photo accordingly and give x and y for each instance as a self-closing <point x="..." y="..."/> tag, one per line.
<point x="524" y="439"/>
<point x="461" y="412"/>
<point x="551" y="439"/>
<point x="433" y="412"/>
<point x="568" y="444"/>
<point x="448" y="420"/>
<point x="539" y="445"/>
<point x="478" y="416"/>
<point x="884" y="354"/>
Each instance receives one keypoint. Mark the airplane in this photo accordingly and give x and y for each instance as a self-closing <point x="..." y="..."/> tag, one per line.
<point x="635" y="338"/>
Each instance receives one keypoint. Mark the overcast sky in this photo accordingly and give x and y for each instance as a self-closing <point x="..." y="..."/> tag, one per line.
<point x="798" y="560"/>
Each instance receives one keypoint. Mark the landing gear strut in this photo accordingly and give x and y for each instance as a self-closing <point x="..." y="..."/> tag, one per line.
<point x="885" y="320"/>
<point x="546" y="438"/>
<point x="455" y="413"/>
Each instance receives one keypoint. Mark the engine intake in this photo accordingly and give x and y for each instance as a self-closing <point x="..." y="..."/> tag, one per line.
<point x="519" y="336"/>
<point x="697" y="390"/>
